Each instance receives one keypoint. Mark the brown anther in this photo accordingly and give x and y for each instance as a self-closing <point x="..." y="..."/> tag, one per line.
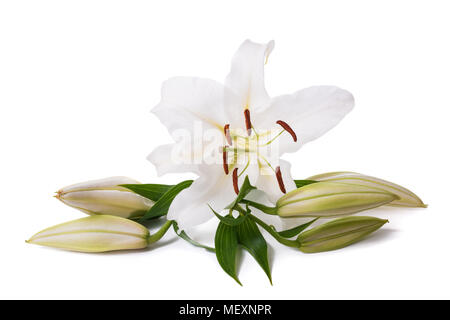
<point x="225" y="160"/>
<point x="226" y="132"/>
<point x="235" y="180"/>
<point x="248" y="123"/>
<point x="288" y="129"/>
<point x="280" y="179"/>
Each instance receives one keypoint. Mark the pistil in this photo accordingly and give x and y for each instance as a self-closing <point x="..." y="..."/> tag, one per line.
<point x="242" y="145"/>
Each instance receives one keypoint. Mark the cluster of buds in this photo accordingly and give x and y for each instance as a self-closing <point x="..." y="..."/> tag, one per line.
<point x="110" y="226"/>
<point x="341" y="194"/>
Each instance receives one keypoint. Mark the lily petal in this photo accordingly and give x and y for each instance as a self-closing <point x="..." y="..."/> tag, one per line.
<point x="309" y="112"/>
<point x="166" y="159"/>
<point x="190" y="206"/>
<point x="246" y="78"/>
<point x="185" y="101"/>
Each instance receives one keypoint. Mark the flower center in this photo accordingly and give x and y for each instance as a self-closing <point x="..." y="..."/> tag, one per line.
<point x="250" y="145"/>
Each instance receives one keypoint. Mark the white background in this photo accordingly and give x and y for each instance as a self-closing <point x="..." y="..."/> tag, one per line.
<point x="77" y="82"/>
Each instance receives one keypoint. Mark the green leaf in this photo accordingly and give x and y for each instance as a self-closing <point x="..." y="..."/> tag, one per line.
<point x="301" y="183"/>
<point x="161" y="206"/>
<point x="243" y="192"/>
<point x="226" y="243"/>
<point x="253" y="241"/>
<point x="274" y="233"/>
<point x="260" y="206"/>
<point x="228" y="220"/>
<point x="296" y="230"/>
<point x="150" y="191"/>
<point x="184" y="236"/>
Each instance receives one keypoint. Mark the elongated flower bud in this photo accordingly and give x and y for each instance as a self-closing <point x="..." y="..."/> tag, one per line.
<point x="327" y="199"/>
<point x="105" y="196"/>
<point x="94" y="234"/>
<point x="338" y="233"/>
<point x="406" y="197"/>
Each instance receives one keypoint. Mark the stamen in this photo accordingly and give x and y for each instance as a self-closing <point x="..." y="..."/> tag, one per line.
<point x="235" y="181"/>
<point x="248" y="123"/>
<point x="280" y="179"/>
<point x="226" y="132"/>
<point x="225" y="160"/>
<point x="288" y="129"/>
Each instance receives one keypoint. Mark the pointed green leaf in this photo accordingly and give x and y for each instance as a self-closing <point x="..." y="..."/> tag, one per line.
<point x="301" y="183"/>
<point x="253" y="241"/>
<point x="226" y="243"/>
<point x="183" y="235"/>
<point x="161" y="206"/>
<point x="228" y="220"/>
<point x="243" y="192"/>
<point x="271" y="230"/>
<point x="296" y="230"/>
<point x="150" y="191"/>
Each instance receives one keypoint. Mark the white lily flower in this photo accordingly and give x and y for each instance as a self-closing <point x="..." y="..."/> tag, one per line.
<point x="243" y="132"/>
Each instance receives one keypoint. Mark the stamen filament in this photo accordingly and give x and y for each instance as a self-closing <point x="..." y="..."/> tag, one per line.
<point x="280" y="179"/>
<point x="288" y="129"/>
<point x="226" y="132"/>
<point x="235" y="181"/>
<point x="245" y="150"/>
<point x="273" y="139"/>
<point x="246" y="166"/>
<point x="248" y="123"/>
<point x="267" y="162"/>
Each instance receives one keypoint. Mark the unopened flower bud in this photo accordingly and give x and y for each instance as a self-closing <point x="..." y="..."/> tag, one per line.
<point x="105" y="196"/>
<point x="406" y="197"/>
<point x="327" y="199"/>
<point x="338" y="233"/>
<point x="94" y="234"/>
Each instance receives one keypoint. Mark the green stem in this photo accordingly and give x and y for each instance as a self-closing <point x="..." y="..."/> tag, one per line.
<point x="238" y="208"/>
<point x="160" y="233"/>
<point x="263" y="208"/>
<point x="273" y="233"/>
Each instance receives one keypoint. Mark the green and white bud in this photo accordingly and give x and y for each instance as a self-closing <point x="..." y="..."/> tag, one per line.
<point x="105" y="196"/>
<point x="94" y="234"/>
<point x="406" y="197"/>
<point x="328" y="199"/>
<point x="338" y="233"/>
